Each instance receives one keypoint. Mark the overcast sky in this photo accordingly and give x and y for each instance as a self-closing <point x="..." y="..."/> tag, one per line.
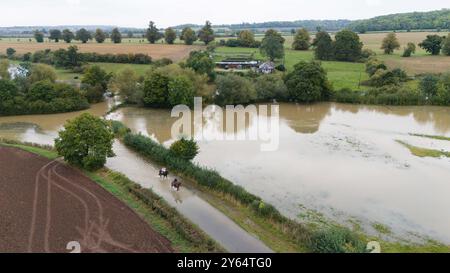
<point x="137" y="13"/>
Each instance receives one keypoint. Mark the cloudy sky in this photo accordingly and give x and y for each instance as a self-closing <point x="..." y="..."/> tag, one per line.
<point x="137" y="13"/>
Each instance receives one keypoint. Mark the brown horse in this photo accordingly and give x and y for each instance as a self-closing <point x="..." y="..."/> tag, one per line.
<point x="176" y="184"/>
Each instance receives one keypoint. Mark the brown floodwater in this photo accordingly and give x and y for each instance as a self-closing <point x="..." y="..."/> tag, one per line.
<point x="337" y="159"/>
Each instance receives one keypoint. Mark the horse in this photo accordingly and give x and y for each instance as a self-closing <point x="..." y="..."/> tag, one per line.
<point x="176" y="184"/>
<point x="163" y="173"/>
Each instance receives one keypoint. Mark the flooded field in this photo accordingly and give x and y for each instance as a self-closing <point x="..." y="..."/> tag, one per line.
<point x="340" y="160"/>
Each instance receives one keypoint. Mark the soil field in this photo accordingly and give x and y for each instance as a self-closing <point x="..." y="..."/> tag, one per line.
<point x="156" y="51"/>
<point x="45" y="205"/>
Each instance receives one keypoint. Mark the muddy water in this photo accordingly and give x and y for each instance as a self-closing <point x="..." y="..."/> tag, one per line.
<point x="340" y="160"/>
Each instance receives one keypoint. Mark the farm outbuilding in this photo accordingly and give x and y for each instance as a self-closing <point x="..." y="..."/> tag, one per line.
<point x="267" y="68"/>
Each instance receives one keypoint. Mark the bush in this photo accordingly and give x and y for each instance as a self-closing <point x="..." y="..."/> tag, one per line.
<point x="86" y="141"/>
<point x="233" y="90"/>
<point x="409" y="50"/>
<point x="429" y="86"/>
<point x="185" y="149"/>
<point x="308" y="83"/>
<point x="337" y="240"/>
<point x="270" y="87"/>
<point x="373" y="65"/>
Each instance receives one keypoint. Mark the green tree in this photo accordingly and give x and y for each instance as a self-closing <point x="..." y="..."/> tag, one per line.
<point x="188" y="36"/>
<point x="272" y="45"/>
<point x="39" y="36"/>
<point x="233" y="89"/>
<point x="390" y="43"/>
<point x="99" y="36"/>
<point x="156" y="90"/>
<point x="270" y="87"/>
<point x="42" y="90"/>
<point x="409" y="50"/>
<point x="302" y="40"/>
<point x="10" y="52"/>
<point x="95" y="76"/>
<point x="8" y="90"/>
<point x="86" y="141"/>
<point x="184" y="148"/>
<point x="42" y="72"/>
<point x="206" y="34"/>
<point x="347" y="46"/>
<point x="246" y="38"/>
<point x="429" y="85"/>
<point x="446" y="46"/>
<point x="153" y="35"/>
<point x="67" y="36"/>
<point x="125" y="83"/>
<point x="55" y="34"/>
<point x="181" y="91"/>
<point x="4" y="72"/>
<point x="202" y="63"/>
<point x="432" y="44"/>
<point x="170" y="36"/>
<point x="323" y="46"/>
<point x="308" y="83"/>
<point x="116" y="36"/>
<point x="83" y="35"/>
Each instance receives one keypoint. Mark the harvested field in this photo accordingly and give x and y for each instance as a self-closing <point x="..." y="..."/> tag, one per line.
<point x="156" y="51"/>
<point x="420" y="64"/>
<point x="46" y="204"/>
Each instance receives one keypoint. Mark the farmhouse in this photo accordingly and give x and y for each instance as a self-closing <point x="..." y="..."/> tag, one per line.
<point x="267" y="68"/>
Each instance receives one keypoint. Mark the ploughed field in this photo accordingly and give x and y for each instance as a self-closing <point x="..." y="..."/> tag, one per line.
<point x="156" y="51"/>
<point x="45" y="205"/>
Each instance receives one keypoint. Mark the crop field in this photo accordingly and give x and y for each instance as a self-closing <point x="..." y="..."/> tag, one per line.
<point x="156" y="51"/>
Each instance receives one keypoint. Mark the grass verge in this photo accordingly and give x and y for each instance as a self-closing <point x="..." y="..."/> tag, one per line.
<point x="423" y="152"/>
<point x="184" y="235"/>
<point x="432" y="137"/>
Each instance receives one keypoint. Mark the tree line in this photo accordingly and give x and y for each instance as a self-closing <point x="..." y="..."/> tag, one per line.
<point x="153" y="34"/>
<point x="406" y="21"/>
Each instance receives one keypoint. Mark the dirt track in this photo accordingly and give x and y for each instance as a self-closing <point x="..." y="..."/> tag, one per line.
<point x="44" y="205"/>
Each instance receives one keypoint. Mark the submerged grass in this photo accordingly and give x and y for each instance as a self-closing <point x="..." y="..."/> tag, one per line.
<point x="423" y="152"/>
<point x="432" y="137"/>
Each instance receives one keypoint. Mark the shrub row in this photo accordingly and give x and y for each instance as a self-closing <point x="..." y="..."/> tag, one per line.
<point x="130" y="58"/>
<point x="49" y="57"/>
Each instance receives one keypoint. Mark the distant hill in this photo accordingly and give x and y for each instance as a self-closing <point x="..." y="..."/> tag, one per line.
<point x="330" y="25"/>
<point x="439" y="19"/>
<point x="405" y="21"/>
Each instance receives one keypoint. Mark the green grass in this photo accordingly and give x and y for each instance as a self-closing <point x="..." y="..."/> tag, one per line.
<point x="340" y="74"/>
<point x="382" y="229"/>
<point x="432" y="137"/>
<point x="115" y="183"/>
<point x="423" y="152"/>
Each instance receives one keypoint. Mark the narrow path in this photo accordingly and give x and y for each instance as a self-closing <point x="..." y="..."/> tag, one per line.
<point x="222" y="229"/>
